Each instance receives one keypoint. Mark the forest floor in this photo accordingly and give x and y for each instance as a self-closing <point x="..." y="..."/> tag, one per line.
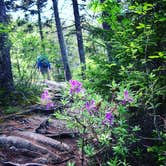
<point x="34" y="137"/>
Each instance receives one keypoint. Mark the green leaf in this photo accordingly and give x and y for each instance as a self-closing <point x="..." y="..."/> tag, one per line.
<point x="160" y="55"/>
<point x="154" y="56"/>
<point x="111" y="65"/>
<point x="162" y="19"/>
<point x="141" y="25"/>
<point x="147" y="6"/>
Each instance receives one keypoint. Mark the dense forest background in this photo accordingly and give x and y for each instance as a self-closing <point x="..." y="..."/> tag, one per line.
<point x="112" y="47"/>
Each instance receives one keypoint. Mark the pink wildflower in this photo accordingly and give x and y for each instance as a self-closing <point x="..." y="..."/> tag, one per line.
<point x="76" y="86"/>
<point x="127" y="98"/>
<point x="109" y="118"/>
<point x="90" y="106"/>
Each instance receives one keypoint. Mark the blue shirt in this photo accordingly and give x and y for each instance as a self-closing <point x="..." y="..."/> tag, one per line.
<point x="39" y="65"/>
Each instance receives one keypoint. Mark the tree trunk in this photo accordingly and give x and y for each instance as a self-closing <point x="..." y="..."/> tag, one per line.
<point x="61" y="41"/>
<point x="40" y="23"/>
<point x="6" y="78"/>
<point x="106" y="27"/>
<point x="79" y="35"/>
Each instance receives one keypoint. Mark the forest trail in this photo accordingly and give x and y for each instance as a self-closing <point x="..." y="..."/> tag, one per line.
<point x="34" y="137"/>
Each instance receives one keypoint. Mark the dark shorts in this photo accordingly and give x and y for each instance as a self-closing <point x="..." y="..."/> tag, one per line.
<point x="44" y="70"/>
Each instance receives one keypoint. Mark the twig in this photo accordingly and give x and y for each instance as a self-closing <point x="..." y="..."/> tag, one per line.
<point x="94" y="133"/>
<point x="83" y="140"/>
<point x="154" y="139"/>
<point x="82" y="147"/>
<point x="79" y="122"/>
<point x="99" y="151"/>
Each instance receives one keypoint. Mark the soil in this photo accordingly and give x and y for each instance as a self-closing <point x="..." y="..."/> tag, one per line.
<point x="33" y="137"/>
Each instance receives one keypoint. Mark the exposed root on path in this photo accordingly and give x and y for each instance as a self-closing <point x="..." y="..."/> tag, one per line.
<point x="33" y="137"/>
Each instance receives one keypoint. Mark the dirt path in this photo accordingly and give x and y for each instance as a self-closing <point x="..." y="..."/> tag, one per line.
<point x="35" y="138"/>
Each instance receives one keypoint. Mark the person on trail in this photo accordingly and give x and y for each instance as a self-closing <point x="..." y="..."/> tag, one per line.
<point x="43" y="65"/>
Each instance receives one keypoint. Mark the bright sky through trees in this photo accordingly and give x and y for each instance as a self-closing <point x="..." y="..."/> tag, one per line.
<point x="65" y="11"/>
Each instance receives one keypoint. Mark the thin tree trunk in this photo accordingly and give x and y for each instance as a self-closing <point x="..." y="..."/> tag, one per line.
<point x="61" y="41"/>
<point x="39" y="22"/>
<point x="79" y="35"/>
<point x="6" y="78"/>
<point x="106" y="27"/>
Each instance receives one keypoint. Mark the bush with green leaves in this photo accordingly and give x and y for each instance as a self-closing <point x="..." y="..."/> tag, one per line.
<point x="105" y="134"/>
<point x="136" y="38"/>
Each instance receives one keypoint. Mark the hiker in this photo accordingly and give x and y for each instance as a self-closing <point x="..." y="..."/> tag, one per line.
<point x="43" y="66"/>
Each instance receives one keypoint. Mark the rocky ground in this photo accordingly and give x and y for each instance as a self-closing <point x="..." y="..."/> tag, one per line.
<point x="34" y="137"/>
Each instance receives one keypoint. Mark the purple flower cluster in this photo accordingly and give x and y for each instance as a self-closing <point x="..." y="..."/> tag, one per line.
<point x="109" y="118"/>
<point x="45" y="95"/>
<point x="49" y="105"/>
<point x="76" y="86"/>
<point x="127" y="98"/>
<point x="45" y="100"/>
<point x="90" y="106"/>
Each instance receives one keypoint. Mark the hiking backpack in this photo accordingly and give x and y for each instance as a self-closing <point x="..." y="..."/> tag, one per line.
<point x="44" y="63"/>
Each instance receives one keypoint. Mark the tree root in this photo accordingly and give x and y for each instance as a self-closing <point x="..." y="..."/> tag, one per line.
<point x="41" y="139"/>
<point x="16" y="144"/>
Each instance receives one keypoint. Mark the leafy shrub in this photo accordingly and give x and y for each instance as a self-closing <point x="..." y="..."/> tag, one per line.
<point x="102" y="126"/>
